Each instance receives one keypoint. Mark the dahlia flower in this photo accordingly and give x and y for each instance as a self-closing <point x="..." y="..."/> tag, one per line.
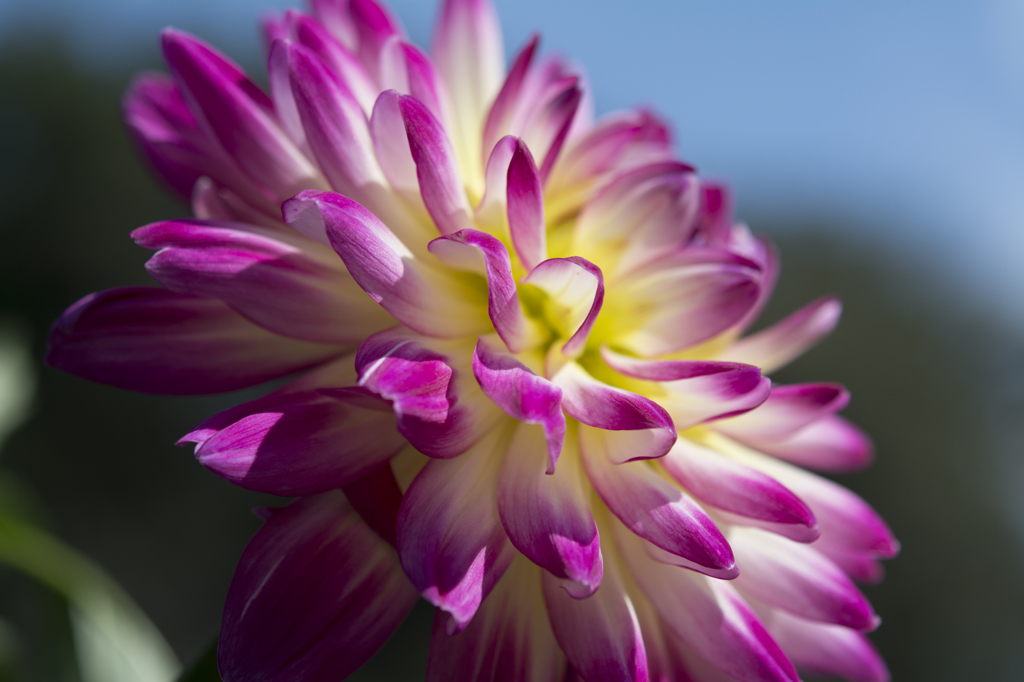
<point x="518" y="382"/>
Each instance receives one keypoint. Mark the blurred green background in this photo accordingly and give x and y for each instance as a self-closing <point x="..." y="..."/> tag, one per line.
<point x="937" y="381"/>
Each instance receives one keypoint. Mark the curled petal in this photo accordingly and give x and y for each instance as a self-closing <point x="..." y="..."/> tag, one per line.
<point x="575" y="289"/>
<point x="711" y="619"/>
<point x="798" y="579"/>
<point x="439" y="180"/>
<point x="777" y="345"/>
<point x="238" y="115"/>
<point x="830" y="444"/>
<point x="827" y="649"/>
<point x="600" y="635"/>
<point x="526" y="208"/>
<point x="156" y="341"/>
<point x="316" y="593"/>
<point x="522" y="395"/>
<point x="697" y="391"/>
<point x="680" y="300"/>
<point x="509" y="639"/>
<point x="787" y="410"/>
<point x="730" y="486"/>
<point x="281" y="282"/>
<point x="636" y="427"/>
<point x="391" y="143"/>
<point x="478" y="252"/>
<point x="546" y="516"/>
<point x="439" y="406"/>
<point x="296" y="443"/>
<point x="656" y="510"/>
<point x="425" y="299"/>
<point x="492" y="212"/>
<point x="450" y="537"/>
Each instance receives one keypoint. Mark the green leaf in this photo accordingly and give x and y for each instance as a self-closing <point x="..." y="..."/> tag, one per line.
<point x="204" y="668"/>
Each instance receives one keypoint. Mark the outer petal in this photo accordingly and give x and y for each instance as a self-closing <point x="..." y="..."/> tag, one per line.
<point x="294" y="288"/>
<point x="575" y="289"/>
<point x="711" y="618"/>
<point x="656" y="510"/>
<point x="374" y="26"/>
<point x="697" y="391"/>
<point x="730" y="486"/>
<point x="828" y="649"/>
<point x="156" y="341"/>
<point x="787" y="410"/>
<point x="784" y="341"/>
<point x="679" y="301"/>
<point x="450" y="538"/>
<point x="297" y="443"/>
<point x="502" y="112"/>
<point x="313" y="35"/>
<point x="546" y="516"/>
<point x="523" y="395"/>
<point x="425" y="299"/>
<point x="468" y="50"/>
<point x="846" y="520"/>
<point x="509" y="639"/>
<point x="600" y="635"/>
<point x="637" y="427"/>
<point x="238" y="115"/>
<point x="478" y="252"/>
<point x="439" y="406"/>
<point x="492" y="211"/>
<point x="830" y="444"/>
<point x="638" y="217"/>
<point x="391" y="143"/>
<point x="316" y="593"/>
<point x="436" y="169"/>
<point x="798" y="579"/>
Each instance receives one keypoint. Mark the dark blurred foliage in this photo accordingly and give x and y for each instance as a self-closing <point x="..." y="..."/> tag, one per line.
<point x="934" y="382"/>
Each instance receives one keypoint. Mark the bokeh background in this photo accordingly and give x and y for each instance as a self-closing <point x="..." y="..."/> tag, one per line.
<point x="880" y="144"/>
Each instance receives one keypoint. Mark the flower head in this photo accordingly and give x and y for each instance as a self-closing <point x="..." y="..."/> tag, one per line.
<point x="523" y="390"/>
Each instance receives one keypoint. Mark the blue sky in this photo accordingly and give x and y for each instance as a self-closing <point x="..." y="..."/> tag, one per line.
<point x="904" y="118"/>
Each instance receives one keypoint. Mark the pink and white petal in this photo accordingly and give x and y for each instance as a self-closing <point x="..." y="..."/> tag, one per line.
<point x="468" y="50"/>
<point x="281" y="93"/>
<point x="846" y="520"/>
<point x="547" y="517"/>
<point x="313" y="35"/>
<point x="711" y="618"/>
<point x="425" y="83"/>
<point x="374" y="26"/>
<point x="600" y="635"/>
<point x="549" y="127"/>
<point x="655" y="509"/>
<point x="786" y="340"/>
<point x="478" y="252"/>
<point x="638" y="217"/>
<point x="238" y="115"/>
<point x="575" y="289"/>
<point x="502" y="112"/>
<point x="450" y="538"/>
<point x="156" y="341"/>
<point x="680" y="301"/>
<point x="315" y="594"/>
<point x="715" y="217"/>
<point x="425" y="299"/>
<point x="787" y="410"/>
<point x="634" y="427"/>
<point x="798" y="579"/>
<point x="827" y="649"/>
<point x="492" y="212"/>
<point x="296" y="443"/>
<point x="696" y="390"/>
<point x="830" y="444"/>
<point x="863" y="567"/>
<point x="521" y="394"/>
<point x="335" y="125"/>
<point x="509" y="639"/>
<point x="725" y="484"/>
<point x="282" y="282"/>
<point x="526" y="208"/>
<point x="436" y="170"/>
<point x="336" y="17"/>
<point x="391" y="143"/>
<point x="439" y="407"/>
